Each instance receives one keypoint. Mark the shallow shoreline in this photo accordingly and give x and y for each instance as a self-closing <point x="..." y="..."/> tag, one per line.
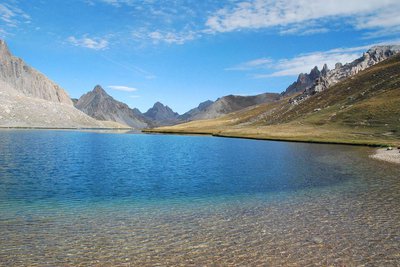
<point x="384" y="154"/>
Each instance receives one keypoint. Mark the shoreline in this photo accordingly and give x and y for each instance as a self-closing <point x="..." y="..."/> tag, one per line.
<point x="383" y="154"/>
<point x="294" y="140"/>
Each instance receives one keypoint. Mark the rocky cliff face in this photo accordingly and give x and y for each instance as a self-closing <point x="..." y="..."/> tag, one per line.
<point x="30" y="99"/>
<point x="28" y="81"/>
<point x="340" y="72"/>
<point x="329" y="78"/>
<point x="160" y="115"/>
<point x="304" y="82"/>
<point x="101" y="106"/>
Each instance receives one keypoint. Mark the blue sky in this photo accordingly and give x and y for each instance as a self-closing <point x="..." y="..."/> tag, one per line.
<point x="184" y="52"/>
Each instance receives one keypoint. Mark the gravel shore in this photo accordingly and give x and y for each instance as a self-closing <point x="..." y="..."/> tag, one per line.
<point x="387" y="155"/>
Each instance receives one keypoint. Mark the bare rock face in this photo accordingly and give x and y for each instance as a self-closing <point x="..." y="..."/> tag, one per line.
<point x="327" y="77"/>
<point x="371" y="57"/>
<point x="304" y="82"/>
<point x="101" y="106"/>
<point x="28" y="81"/>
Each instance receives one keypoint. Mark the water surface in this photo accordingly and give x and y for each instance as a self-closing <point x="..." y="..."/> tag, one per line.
<point x="75" y="198"/>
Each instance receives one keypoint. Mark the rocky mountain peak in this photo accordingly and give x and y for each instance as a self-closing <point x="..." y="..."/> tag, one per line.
<point x="99" y="90"/>
<point x="101" y="106"/>
<point x="304" y="81"/>
<point x="324" y="70"/>
<point x="160" y="112"/>
<point x="315" y="72"/>
<point x="159" y="105"/>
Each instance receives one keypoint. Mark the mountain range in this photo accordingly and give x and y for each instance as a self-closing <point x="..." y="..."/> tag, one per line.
<point x="357" y="104"/>
<point x="101" y="106"/>
<point x="29" y="99"/>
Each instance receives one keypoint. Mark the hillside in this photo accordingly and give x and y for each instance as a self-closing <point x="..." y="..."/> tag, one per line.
<point x="29" y="99"/>
<point x="362" y="109"/>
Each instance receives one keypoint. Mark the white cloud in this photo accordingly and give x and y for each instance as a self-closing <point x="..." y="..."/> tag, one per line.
<point x="305" y="62"/>
<point x="165" y="36"/>
<point x="172" y="37"/>
<point x="147" y="75"/>
<point x="91" y="43"/>
<point x="253" y="64"/>
<point x="289" y="14"/>
<point x="122" y="88"/>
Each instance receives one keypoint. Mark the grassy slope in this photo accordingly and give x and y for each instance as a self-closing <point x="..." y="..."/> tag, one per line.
<point x="364" y="109"/>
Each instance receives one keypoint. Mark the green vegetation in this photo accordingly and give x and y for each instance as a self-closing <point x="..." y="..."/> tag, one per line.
<point x="362" y="110"/>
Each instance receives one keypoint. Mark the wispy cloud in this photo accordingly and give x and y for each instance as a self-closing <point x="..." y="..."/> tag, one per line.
<point x="11" y="16"/>
<point x="155" y="23"/>
<point x="91" y="43"/>
<point x="252" y="64"/>
<point x="122" y="88"/>
<point x="288" y="15"/>
<point x="172" y="37"/>
<point x="147" y="75"/>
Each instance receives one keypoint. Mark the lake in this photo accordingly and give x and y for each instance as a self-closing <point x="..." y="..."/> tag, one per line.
<point x="94" y="199"/>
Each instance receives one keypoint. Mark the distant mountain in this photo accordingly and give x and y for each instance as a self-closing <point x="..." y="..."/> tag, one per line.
<point x="30" y="99"/>
<point x="360" y="109"/>
<point x="227" y="104"/>
<point x="160" y="114"/>
<point x="196" y="112"/>
<point x="101" y="106"/>
<point x="304" y="81"/>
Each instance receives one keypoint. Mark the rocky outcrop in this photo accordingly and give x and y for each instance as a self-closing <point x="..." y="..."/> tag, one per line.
<point x="162" y="115"/>
<point x="28" y="81"/>
<point x="304" y="82"/>
<point x="328" y="77"/>
<point x="101" y="106"/>
<point x="231" y="103"/>
<point x="340" y="72"/>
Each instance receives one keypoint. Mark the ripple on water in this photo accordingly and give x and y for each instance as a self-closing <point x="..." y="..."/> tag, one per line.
<point x="345" y="212"/>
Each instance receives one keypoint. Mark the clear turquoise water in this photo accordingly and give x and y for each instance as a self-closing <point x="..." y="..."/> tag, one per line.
<point x="79" y="198"/>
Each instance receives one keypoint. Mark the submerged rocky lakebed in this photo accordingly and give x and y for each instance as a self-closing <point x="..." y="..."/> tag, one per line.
<point x="89" y="199"/>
